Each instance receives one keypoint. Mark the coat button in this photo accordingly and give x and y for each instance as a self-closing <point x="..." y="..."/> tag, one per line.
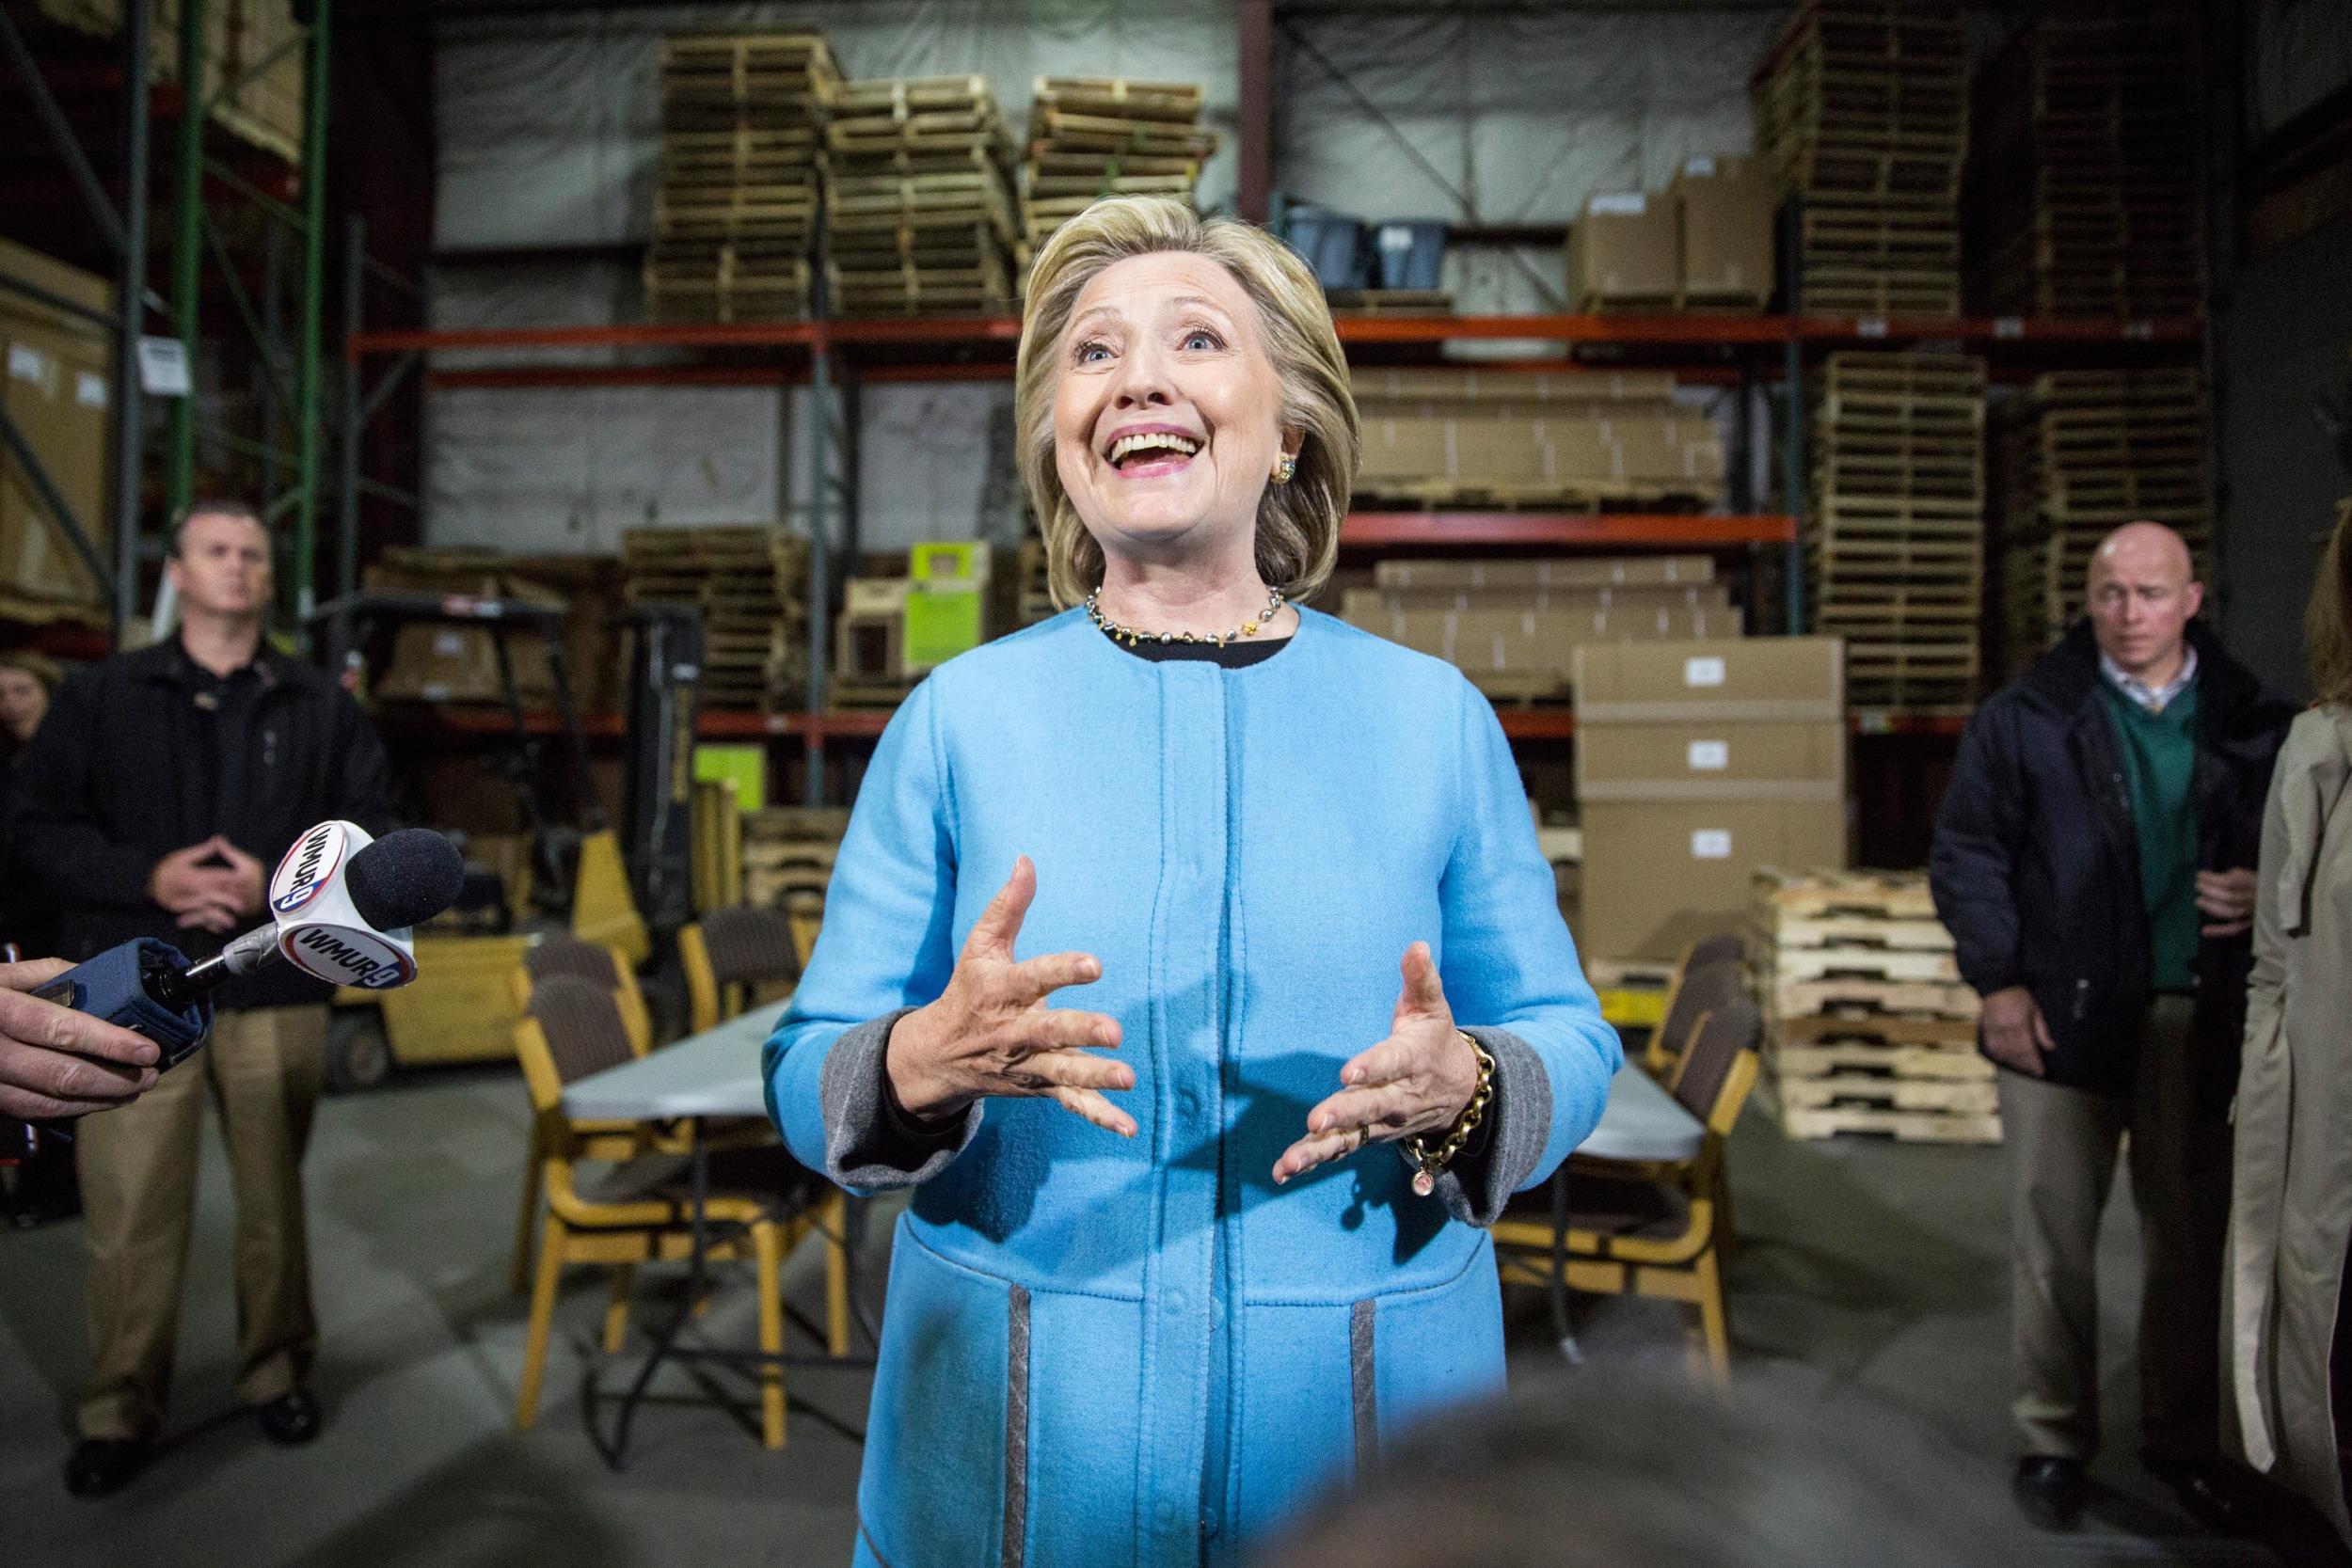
<point x="1169" y="1514"/>
<point x="1188" y="1101"/>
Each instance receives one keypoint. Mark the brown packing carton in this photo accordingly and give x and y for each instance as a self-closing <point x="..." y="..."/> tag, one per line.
<point x="55" y="381"/>
<point x="1727" y="209"/>
<point x="438" y="662"/>
<point x="1638" y="598"/>
<point x="1658" y="874"/>
<point x="1564" y="572"/>
<point x="1753" y="680"/>
<point x="1407" y="449"/>
<point x="1711" y="761"/>
<point x="1496" y="638"/>
<point x="1626" y="250"/>
<point x="1421" y="386"/>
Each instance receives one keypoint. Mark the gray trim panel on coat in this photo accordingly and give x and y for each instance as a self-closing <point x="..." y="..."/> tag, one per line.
<point x="1364" y="1394"/>
<point x="1017" y="1430"/>
<point x="867" y="1146"/>
<point x="867" y="1536"/>
<point x="1474" y="1189"/>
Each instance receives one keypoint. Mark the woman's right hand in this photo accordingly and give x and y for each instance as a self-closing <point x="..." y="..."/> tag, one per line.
<point x="990" y="1031"/>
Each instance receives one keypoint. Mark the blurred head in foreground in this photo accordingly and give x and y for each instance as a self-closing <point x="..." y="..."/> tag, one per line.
<point x="1604" y="1469"/>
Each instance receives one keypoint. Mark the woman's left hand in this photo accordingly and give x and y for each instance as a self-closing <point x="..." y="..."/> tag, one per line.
<point x="1418" y="1079"/>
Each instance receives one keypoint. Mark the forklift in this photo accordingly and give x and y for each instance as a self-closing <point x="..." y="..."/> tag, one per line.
<point x="627" y="890"/>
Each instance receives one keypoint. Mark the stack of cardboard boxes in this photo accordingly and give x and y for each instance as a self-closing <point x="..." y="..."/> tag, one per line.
<point x="1705" y="242"/>
<point x="439" y="662"/>
<point x="1513" y="627"/>
<point x="1696" y="763"/>
<point x="1444" y="438"/>
<point x="58" y="390"/>
<point x="894" y="630"/>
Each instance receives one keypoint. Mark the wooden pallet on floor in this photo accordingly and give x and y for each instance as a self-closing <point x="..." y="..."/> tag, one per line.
<point x="1928" y="1127"/>
<point x="1905" y="1062"/>
<point x="1841" y="1090"/>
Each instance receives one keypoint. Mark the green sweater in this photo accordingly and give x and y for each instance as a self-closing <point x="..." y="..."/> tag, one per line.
<point x="2159" y="759"/>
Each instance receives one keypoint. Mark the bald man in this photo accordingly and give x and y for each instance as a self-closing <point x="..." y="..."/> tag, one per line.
<point x="2093" y="859"/>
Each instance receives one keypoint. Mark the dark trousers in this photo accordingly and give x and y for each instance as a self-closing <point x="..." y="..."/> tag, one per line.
<point x="2062" y="1145"/>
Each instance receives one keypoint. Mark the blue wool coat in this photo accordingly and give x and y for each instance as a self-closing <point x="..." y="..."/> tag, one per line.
<point x="1101" y="1351"/>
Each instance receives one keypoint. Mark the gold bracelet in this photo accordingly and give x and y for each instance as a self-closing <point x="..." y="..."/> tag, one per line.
<point x="1425" y="1179"/>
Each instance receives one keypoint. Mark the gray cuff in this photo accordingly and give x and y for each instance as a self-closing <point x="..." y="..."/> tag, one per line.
<point x="1476" y="1185"/>
<point x="869" y="1143"/>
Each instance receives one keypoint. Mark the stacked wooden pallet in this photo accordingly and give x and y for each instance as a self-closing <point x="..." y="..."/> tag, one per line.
<point x="1869" y="1029"/>
<point x="1862" y="109"/>
<point x="2089" y="140"/>
<point x="788" y="853"/>
<point x="1894" y="540"/>
<point x="2079" y="454"/>
<point x="1094" y="137"/>
<point x="752" y="585"/>
<point x="918" y="200"/>
<point x="741" y="115"/>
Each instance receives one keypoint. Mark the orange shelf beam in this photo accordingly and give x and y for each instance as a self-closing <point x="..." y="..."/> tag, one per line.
<point x="1368" y="530"/>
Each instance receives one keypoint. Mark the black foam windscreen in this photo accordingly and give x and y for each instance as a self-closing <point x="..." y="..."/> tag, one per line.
<point x="405" y="879"/>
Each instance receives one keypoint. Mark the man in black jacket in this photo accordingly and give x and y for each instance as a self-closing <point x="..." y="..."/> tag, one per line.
<point x="164" y="786"/>
<point x="2092" y="860"/>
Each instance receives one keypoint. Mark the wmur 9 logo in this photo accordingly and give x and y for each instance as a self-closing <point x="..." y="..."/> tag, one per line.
<point x="308" y="869"/>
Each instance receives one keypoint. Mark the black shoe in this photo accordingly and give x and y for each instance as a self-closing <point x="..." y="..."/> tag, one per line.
<point x="291" y="1418"/>
<point x="101" y="1464"/>
<point x="2212" y="1493"/>
<point x="2049" y="1490"/>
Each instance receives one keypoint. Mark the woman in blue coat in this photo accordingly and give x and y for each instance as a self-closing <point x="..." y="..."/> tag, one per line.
<point x="1150" y="919"/>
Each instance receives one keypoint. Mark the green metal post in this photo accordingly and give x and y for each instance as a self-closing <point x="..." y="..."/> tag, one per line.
<point x="188" y="251"/>
<point x="313" y="308"/>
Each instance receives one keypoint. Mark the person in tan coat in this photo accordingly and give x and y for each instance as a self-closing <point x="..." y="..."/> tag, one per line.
<point x="2291" y="1211"/>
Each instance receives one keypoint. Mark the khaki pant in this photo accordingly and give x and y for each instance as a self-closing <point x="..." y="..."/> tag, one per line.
<point x="138" y="1190"/>
<point x="2063" y="1147"/>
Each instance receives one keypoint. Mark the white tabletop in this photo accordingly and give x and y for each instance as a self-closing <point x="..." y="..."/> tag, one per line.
<point x="716" y="1073"/>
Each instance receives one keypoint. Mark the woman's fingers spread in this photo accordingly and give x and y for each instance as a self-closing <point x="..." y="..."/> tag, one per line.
<point x="1065" y="1029"/>
<point x="1383" y="1104"/>
<point x="1034" y="979"/>
<point x="1096" y="1109"/>
<point x="1000" y="922"/>
<point x="1384" y="1063"/>
<point x="1306" y="1154"/>
<point x="1074" y="1070"/>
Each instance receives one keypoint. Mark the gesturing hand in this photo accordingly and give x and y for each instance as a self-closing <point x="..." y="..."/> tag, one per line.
<point x="56" y="1062"/>
<point x="990" y="1031"/>
<point x="1418" y="1079"/>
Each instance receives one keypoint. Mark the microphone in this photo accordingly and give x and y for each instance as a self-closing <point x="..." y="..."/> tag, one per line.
<point x="341" y="905"/>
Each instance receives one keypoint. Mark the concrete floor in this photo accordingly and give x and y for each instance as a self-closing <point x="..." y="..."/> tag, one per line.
<point x="1872" y="1278"/>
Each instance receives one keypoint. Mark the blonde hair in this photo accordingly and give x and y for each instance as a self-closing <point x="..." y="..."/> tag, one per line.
<point x="2328" y="618"/>
<point x="1298" y="523"/>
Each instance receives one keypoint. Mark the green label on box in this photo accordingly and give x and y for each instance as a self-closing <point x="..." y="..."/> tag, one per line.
<point x="745" y="767"/>
<point x="940" y="624"/>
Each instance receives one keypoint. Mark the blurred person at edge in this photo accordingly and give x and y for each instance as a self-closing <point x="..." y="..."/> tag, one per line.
<point x="44" y="1190"/>
<point x="2291" y="1213"/>
<point x="1637" y="1467"/>
<point x="152" y="803"/>
<point x="2093" y="859"/>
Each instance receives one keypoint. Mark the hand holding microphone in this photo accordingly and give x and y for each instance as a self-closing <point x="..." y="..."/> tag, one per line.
<point x="341" y="904"/>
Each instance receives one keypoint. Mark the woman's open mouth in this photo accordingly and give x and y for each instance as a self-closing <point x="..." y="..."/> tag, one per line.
<point x="1147" y="453"/>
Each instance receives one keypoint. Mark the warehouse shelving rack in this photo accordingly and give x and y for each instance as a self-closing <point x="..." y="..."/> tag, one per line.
<point x="842" y="356"/>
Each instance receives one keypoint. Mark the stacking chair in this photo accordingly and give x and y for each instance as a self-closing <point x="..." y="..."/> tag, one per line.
<point x="640" y="1210"/>
<point x="735" y="959"/>
<point x="616" y="1140"/>
<point x="1707" y="975"/>
<point x="1652" y="1229"/>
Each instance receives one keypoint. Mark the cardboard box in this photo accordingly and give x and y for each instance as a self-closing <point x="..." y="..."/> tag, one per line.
<point x="1566" y="572"/>
<point x="1374" y="602"/>
<point x="1626" y="250"/>
<point x="1701" y="762"/>
<point x="1727" y="209"/>
<point x="1657" y="875"/>
<point x="1503" y="638"/>
<point x="1754" y="680"/>
<point x="434" y="661"/>
<point x="1429" y="387"/>
<point x="55" y="381"/>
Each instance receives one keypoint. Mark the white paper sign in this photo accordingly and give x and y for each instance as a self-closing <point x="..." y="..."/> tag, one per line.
<point x="1711" y="844"/>
<point x="1631" y="204"/>
<point x="1710" y="756"/>
<point x="1703" y="671"/>
<point x="90" y="390"/>
<point x="27" y="364"/>
<point x="1698" y="168"/>
<point x="164" y="367"/>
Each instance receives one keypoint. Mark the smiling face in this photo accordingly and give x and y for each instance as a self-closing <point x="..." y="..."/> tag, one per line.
<point x="1166" y="413"/>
